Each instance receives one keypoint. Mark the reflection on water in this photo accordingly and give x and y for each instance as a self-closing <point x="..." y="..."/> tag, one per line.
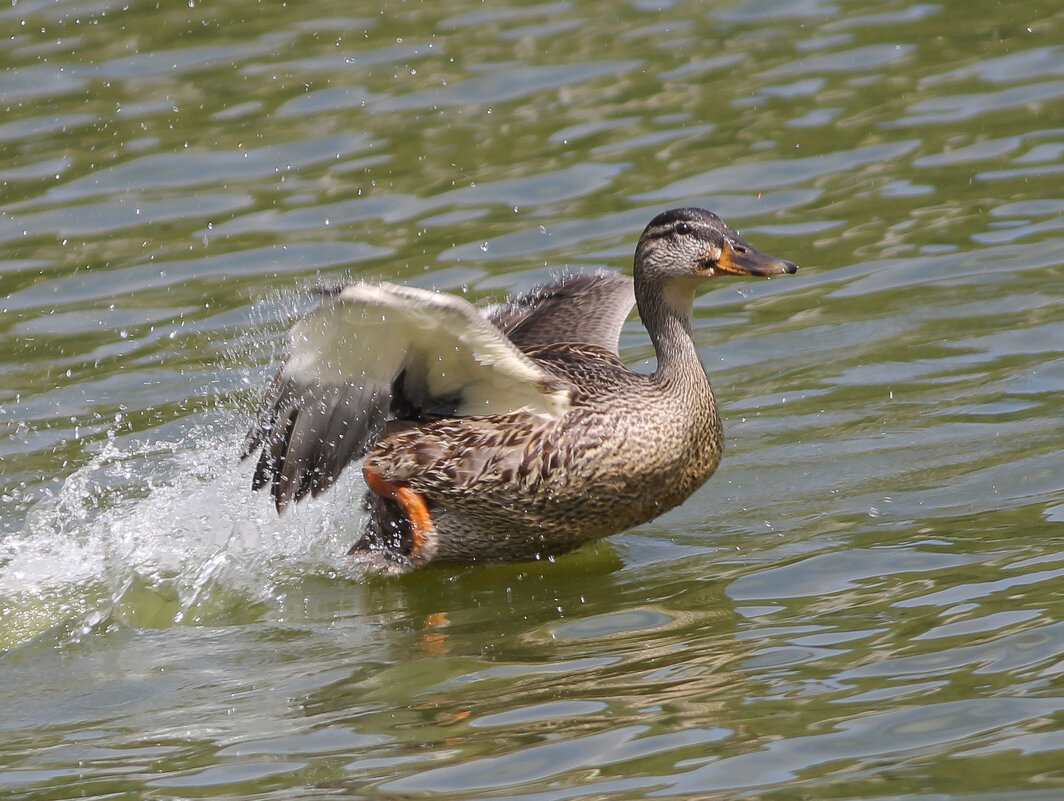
<point x="861" y="604"/>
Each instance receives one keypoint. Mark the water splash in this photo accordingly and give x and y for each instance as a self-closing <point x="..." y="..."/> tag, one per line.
<point x="156" y="532"/>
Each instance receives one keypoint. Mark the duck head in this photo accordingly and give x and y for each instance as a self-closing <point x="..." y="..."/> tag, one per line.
<point x="694" y="245"/>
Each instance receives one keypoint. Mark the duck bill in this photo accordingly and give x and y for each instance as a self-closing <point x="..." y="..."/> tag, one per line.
<point x="739" y="258"/>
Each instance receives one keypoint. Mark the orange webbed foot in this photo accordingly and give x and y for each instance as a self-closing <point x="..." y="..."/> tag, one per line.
<point x="414" y="507"/>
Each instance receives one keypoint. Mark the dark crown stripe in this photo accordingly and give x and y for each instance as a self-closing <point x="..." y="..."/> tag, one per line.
<point x="701" y="221"/>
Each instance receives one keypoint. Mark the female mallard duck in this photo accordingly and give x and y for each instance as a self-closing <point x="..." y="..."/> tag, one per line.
<point x="515" y="434"/>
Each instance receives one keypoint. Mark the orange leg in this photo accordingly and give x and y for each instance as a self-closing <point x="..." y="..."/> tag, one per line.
<point x="413" y="505"/>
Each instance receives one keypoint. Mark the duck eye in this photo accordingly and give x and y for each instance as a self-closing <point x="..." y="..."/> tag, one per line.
<point x="683" y="228"/>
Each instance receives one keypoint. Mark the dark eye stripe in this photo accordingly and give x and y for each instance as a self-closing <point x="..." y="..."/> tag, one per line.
<point x="668" y="230"/>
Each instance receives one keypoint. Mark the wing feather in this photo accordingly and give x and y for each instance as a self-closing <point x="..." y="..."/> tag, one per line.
<point x="369" y="351"/>
<point x="585" y="309"/>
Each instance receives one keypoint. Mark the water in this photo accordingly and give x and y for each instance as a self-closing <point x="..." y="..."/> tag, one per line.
<point x="863" y="603"/>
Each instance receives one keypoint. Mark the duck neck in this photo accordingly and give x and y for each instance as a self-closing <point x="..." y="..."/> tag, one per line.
<point x="666" y="310"/>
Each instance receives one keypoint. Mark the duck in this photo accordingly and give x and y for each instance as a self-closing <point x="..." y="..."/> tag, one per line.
<point x="511" y="433"/>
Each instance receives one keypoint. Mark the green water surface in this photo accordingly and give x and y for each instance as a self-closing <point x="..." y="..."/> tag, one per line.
<point x="864" y="603"/>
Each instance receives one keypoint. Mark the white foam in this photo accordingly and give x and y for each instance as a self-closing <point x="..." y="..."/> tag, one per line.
<point x="171" y="519"/>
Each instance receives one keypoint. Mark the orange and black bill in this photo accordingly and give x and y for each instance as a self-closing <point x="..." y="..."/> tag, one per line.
<point x="738" y="257"/>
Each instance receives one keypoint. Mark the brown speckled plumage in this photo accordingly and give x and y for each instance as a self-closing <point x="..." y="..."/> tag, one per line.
<point x="524" y="485"/>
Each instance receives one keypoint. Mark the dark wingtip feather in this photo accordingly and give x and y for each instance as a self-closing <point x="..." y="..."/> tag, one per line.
<point x="263" y="471"/>
<point x="310" y="434"/>
<point x="329" y="290"/>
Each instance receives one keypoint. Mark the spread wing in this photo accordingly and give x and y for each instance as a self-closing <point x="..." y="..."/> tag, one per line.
<point x="587" y="309"/>
<point x="369" y="353"/>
